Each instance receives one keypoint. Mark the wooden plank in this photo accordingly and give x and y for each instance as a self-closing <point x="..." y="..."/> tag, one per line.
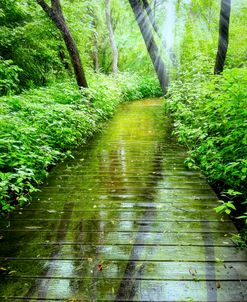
<point x="125" y="181"/>
<point x="129" y="290"/>
<point x="131" y="173"/>
<point x="169" y="191"/>
<point x="46" y="202"/>
<point x="119" y="224"/>
<point x="69" y="269"/>
<point x="117" y="238"/>
<point x="123" y="252"/>
<point x="65" y="187"/>
<point x="158" y="214"/>
<point x="206" y="207"/>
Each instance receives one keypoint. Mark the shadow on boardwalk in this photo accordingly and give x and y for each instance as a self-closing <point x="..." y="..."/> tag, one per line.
<point x="124" y="221"/>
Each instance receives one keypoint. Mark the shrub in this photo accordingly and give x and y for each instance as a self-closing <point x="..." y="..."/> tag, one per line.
<point x="8" y="77"/>
<point x="210" y="117"/>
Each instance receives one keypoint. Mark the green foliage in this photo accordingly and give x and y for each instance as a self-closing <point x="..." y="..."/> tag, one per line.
<point x="139" y="86"/>
<point x="8" y="77"/>
<point x="225" y="207"/>
<point x="38" y="55"/>
<point x="210" y="116"/>
<point x="240" y="240"/>
<point x="197" y="36"/>
<point x="244" y="216"/>
<point x="237" y="52"/>
<point x="42" y="126"/>
<point x="30" y="45"/>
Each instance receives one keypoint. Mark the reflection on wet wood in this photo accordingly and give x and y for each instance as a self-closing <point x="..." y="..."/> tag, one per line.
<point x="123" y="221"/>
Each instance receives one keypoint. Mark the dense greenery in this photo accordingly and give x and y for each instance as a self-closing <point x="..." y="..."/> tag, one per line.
<point x="210" y="111"/>
<point x="41" y="126"/>
<point x="33" y="53"/>
<point x="210" y="118"/>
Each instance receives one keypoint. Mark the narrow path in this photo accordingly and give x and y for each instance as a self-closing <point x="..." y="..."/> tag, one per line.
<point x="124" y="221"/>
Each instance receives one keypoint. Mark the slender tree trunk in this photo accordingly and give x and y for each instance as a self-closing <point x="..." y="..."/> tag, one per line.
<point x="55" y="13"/>
<point x="152" y="48"/>
<point x="225" y="11"/>
<point x="95" y="51"/>
<point x="112" y="37"/>
<point x="154" y="5"/>
<point x="151" y="17"/>
<point x="96" y="55"/>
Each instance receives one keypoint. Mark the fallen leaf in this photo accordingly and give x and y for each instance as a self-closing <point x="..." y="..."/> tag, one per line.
<point x="3" y="269"/>
<point x="192" y="271"/>
<point x="33" y="227"/>
<point x="100" y="267"/>
<point x="218" y="260"/>
<point x="218" y="284"/>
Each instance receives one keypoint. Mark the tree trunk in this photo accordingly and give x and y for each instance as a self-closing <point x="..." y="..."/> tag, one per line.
<point x="151" y="17"/>
<point x="225" y="11"/>
<point x="95" y="55"/>
<point x="95" y="51"/>
<point x="112" y="38"/>
<point x="56" y="14"/>
<point x="152" y="48"/>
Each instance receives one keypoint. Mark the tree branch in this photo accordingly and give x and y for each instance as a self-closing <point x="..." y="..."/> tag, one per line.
<point x="56" y="6"/>
<point x="45" y="7"/>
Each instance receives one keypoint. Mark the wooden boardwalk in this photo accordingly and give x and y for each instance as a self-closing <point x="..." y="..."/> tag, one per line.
<point x="123" y="221"/>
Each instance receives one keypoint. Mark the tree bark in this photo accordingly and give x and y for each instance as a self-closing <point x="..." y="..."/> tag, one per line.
<point x="112" y="37"/>
<point x="225" y="11"/>
<point x="95" y="50"/>
<point x="95" y="54"/>
<point x="151" y="17"/>
<point x="55" y="13"/>
<point x="152" y="48"/>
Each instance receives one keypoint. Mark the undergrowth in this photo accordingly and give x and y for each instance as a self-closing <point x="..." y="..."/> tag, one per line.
<point x="210" y="117"/>
<point x="42" y="126"/>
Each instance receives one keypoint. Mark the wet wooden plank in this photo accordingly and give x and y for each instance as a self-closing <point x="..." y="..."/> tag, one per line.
<point x="201" y="188"/>
<point x="121" y="201"/>
<point x="119" y="184"/>
<point x="70" y="269"/>
<point x="134" y="252"/>
<point x="124" y="180"/>
<point x="136" y="191"/>
<point x="117" y="238"/>
<point x="158" y="214"/>
<point x="120" y="197"/>
<point x="129" y="173"/>
<point x="191" y="207"/>
<point x="135" y="290"/>
<point x="119" y="224"/>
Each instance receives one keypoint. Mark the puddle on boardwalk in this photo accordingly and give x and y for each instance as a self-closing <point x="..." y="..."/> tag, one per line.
<point x="115" y="223"/>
